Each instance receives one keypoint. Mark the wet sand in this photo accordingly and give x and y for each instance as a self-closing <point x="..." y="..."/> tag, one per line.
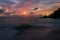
<point x="38" y="33"/>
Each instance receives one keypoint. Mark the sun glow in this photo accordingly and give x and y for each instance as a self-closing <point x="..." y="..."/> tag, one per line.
<point x="24" y="13"/>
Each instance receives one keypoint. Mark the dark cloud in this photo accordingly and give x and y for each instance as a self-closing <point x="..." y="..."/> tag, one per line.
<point x="27" y="3"/>
<point x="6" y="1"/>
<point x="22" y="1"/>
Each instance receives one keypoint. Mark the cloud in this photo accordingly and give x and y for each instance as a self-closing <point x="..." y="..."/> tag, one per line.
<point x="44" y="4"/>
<point x="15" y="1"/>
<point x="6" y="1"/>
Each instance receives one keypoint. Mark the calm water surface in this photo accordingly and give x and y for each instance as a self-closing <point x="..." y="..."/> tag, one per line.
<point x="8" y="33"/>
<point x="12" y="22"/>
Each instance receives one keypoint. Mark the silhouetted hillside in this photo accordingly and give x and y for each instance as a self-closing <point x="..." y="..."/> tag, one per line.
<point x="56" y="14"/>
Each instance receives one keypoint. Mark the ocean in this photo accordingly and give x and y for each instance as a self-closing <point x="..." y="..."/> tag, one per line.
<point x="13" y="22"/>
<point x="7" y="24"/>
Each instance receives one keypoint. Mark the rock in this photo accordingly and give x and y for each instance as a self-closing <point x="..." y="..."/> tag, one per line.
<point x="56" y="14"/>
<point x="23" y="27"/>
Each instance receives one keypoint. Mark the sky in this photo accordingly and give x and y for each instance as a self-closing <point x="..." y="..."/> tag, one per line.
<point x="45" y="6"/>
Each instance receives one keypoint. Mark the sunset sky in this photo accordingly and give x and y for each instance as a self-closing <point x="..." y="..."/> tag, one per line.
<point x="44" y="6"/>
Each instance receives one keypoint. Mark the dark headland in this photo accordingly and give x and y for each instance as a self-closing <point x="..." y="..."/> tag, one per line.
<point x="56" y="14"/>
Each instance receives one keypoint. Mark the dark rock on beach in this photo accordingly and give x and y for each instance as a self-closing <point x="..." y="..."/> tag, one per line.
<point x="23" y="27"/>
